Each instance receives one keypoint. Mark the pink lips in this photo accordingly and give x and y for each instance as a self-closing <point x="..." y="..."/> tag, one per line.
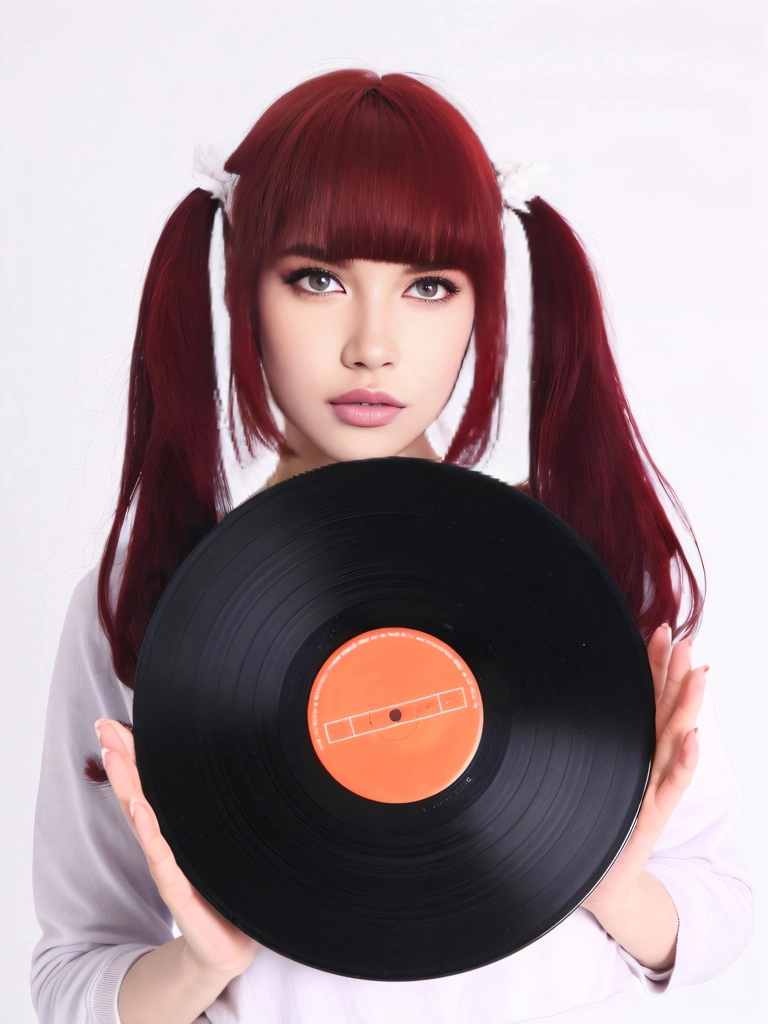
<point x="371" y="397"/>
<point x="381" y="408"/>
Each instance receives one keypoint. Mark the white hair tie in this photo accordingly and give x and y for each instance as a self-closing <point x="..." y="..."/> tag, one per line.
<point x="208" y="171"/>
<point x="519" y="182"/>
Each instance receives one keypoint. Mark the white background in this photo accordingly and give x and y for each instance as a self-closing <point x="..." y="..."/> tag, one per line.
<point x="649" y="113"/>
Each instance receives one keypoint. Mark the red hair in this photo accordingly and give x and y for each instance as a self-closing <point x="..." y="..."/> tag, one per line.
<point x="359" y="165"/>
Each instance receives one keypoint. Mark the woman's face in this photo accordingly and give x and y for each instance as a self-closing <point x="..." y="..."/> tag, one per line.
<point x="327" y="329"/>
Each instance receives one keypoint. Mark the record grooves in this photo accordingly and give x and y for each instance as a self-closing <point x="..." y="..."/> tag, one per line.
<point x="394" y="717"/>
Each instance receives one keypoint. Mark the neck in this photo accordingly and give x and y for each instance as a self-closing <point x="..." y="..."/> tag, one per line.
<point x="308" y="456"/>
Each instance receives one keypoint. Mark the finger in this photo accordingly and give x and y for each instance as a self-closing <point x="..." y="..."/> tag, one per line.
<point x="670" y="792"/>
<point x="200" y="923"/>
<point x="189" y="910"/>
<point x="123" y="778"/>
<point x="124" y="742"/>
<point x="681" y="721"/>
<point x="174" y="887"/>
<point x="121" y="770"/>
<point x="659" y="651"/>
<point x="121" y="773"/>
<point x="127" y="737"/>
<point x="677" y="669"/>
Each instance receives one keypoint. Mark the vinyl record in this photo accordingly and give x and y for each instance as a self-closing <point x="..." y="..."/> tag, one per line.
<point x="395" y="719"/>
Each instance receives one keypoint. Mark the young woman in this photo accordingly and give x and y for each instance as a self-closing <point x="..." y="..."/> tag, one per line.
<point x="363" y="229"/>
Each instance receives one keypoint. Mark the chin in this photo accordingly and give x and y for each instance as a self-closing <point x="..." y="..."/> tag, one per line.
<point x="362" y="447"/>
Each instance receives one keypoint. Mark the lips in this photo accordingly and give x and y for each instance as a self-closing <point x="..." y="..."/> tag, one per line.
<point x="362" y="396"/>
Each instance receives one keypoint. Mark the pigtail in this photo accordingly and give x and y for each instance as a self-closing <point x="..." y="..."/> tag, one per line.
<point x="172" y="465"/>
<point x="588" y="462"/>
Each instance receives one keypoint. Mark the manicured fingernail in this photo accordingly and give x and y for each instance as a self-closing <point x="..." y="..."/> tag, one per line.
<point x="104" y="750"/>
<point x="97" y="726"/>
<point x="143" y="820"/>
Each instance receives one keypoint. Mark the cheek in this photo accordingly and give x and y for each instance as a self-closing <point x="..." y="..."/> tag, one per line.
<point x="441" y="351"/>
<point x="289" y="369"/>
<point x="288" y="355"/>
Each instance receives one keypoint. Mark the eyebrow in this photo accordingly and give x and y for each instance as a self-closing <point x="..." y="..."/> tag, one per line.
<point x="312" y="252"/>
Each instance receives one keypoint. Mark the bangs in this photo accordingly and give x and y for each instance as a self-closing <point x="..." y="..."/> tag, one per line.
<point x="379" y="179"/>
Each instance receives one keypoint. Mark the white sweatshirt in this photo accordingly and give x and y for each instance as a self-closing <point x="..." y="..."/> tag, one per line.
<point x="99" y="908"/>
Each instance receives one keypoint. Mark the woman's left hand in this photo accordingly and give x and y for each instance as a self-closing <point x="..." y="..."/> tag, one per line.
<point x="679" y="691"/>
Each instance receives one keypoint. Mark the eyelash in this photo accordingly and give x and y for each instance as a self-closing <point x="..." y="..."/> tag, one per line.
<point x="297" y="275"/>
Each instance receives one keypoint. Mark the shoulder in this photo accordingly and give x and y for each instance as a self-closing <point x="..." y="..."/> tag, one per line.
<point x="82" y="637"/>
<point x="83" y="602"/>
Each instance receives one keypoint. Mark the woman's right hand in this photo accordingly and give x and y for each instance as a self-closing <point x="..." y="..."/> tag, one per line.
<point x="214" y="944"/>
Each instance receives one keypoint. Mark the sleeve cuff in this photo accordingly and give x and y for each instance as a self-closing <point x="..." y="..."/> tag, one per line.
<point x="103" y="1001"/>
<point x="694" y="928"/>
<point x="654" y="982"/>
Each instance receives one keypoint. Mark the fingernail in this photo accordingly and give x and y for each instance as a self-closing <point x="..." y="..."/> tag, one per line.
<point x="143" y="823"/>
<point x="666" y="625"/>
<point x="706" y="668"/>
<point x="690" y="641"/>
<point x="104" y="750"/>
<point x="696" y="729"/>
<point x="97" y="726"/>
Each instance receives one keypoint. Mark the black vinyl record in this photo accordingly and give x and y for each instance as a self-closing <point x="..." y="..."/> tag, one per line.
<point x="417" y="878"/>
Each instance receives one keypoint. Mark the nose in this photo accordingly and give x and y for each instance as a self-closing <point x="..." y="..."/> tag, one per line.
<point x="371" y="338"/>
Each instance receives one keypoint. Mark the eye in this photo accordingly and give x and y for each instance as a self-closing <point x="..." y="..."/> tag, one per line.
<point x="428" y="289"/>
<point x="319" y="280"/>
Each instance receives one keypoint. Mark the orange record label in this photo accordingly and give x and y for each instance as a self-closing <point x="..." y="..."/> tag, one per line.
<point x="395" y="715"/>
